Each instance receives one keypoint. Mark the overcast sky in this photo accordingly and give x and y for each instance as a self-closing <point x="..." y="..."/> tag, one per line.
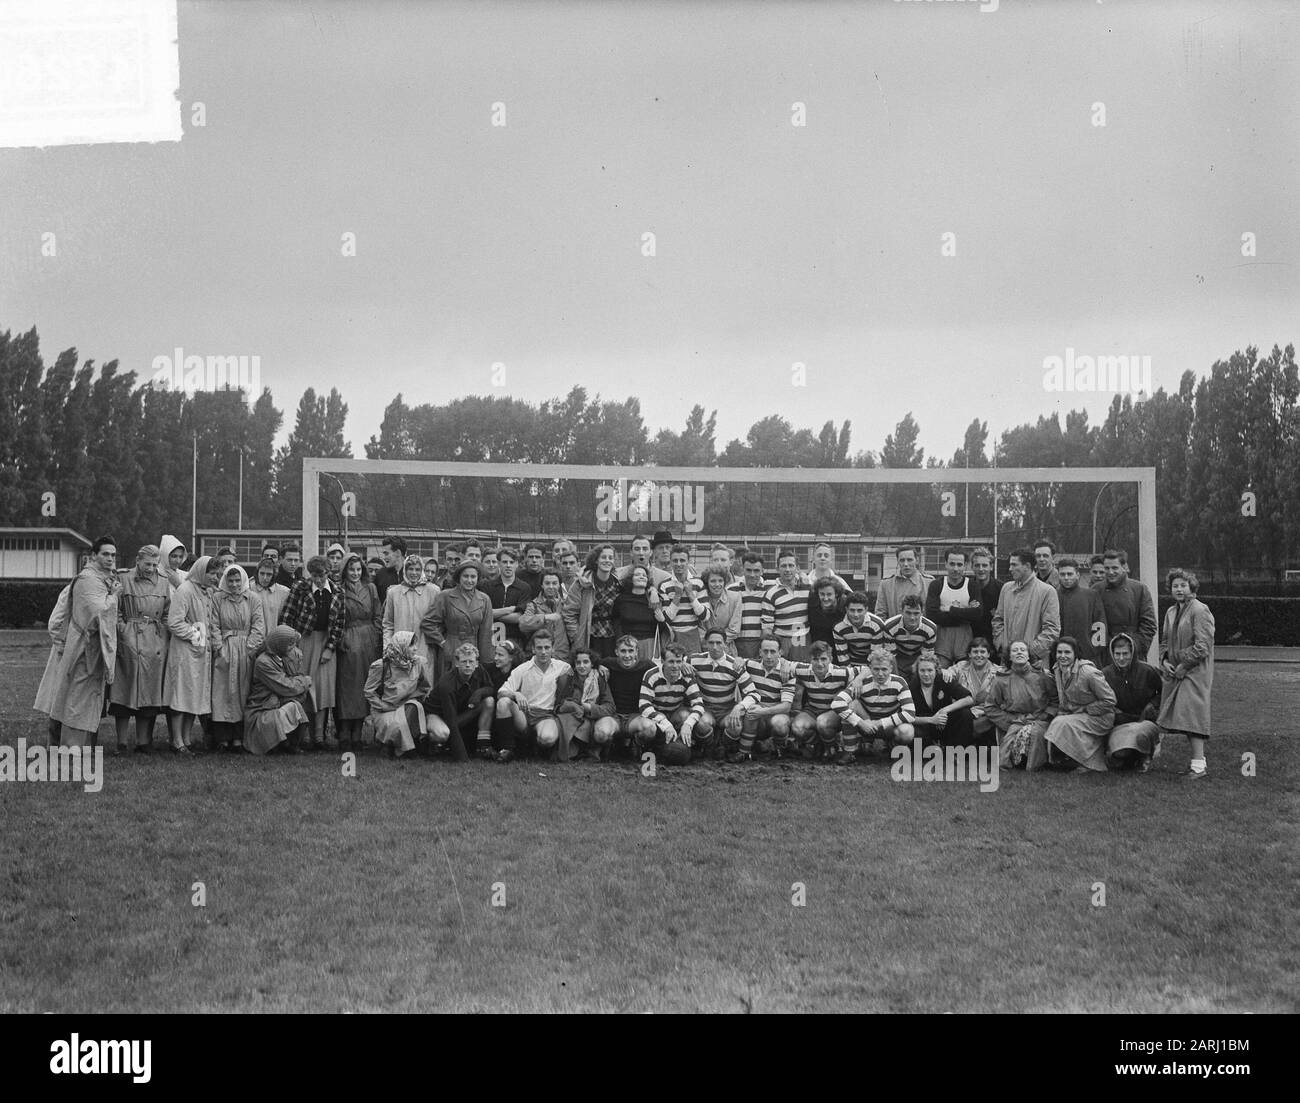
<point x="775" y="244"/>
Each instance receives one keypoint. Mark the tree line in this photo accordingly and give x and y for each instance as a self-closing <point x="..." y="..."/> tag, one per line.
<point x="117" y="454"/>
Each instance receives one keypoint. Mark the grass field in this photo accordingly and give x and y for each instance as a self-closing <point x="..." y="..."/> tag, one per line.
<point x="626" y="893"/>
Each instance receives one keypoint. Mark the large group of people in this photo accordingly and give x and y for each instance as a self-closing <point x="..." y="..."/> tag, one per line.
<point x="499" y="651"/>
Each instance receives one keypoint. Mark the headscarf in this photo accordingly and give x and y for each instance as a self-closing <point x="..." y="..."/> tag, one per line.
<point x="243" y="583"/>
<point x="418" y="563"/>
<point x="275" y="568"/>
<point x="167" y="545"/>
<point x="281" y="640"/>
<point x="198" y="573"/>
<point x="400" y="650"/>
<point x="336" y="546"/>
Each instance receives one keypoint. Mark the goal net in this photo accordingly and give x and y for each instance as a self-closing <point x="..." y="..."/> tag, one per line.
<point x="863" y="513"/>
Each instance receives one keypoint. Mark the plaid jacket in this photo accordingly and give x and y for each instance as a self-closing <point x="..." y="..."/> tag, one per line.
<point x="299" y="612"/>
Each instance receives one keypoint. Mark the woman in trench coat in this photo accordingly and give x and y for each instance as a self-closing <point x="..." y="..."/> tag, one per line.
<point x="1187" y="669"/>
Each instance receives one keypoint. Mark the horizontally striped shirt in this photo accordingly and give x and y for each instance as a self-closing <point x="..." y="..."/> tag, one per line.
<point x="751" y="609"/>
<point x="819" y="693"/>
<point x="684" y="618"/>
<point x="722" y="683"/>
<point x="770" y="687"/>
<point x="786" y="610"/>
<point x="853" y="645"/>
<point x="908" y="643"/>
<point x="891" y="703"/>
<point x="660" y="697"/>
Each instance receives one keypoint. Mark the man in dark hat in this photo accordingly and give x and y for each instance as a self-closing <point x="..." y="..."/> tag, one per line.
<point x="661" y="550"/>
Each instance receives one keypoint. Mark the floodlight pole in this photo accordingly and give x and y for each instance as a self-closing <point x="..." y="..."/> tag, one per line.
<point x="1095" y="503"/>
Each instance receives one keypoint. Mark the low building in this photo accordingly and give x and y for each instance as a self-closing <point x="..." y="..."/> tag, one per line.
<point x="41" y="553"/>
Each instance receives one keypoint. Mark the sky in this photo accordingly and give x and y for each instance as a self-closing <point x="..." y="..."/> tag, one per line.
<point x="775" y="245"/>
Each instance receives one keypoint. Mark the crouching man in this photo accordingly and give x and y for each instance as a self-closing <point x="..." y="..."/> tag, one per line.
<point x="878" y="707"/>
<point x="671" y="709"/>
<point x="1135" y="740"/>
<point x="765" y="713"/>
<point x="818" y="682"/>
<point x="526" y="702"/>
<point x="461" y="707"/>
<point x="724" y="683"/>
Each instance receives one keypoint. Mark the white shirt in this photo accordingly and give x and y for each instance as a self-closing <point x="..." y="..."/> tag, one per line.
<point x="536" y="687"/>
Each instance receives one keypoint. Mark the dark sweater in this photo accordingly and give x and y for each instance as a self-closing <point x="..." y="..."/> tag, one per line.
<point x="625" y="685"/>
<point x="1137" y="691"/>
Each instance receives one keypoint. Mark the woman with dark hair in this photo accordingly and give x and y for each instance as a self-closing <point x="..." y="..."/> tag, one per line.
<point x="826" y="600"/>
<point x="137" y="689"/>
<point x="1082" y="706"/>
<point x="315" y="611"/>
<point x="279" y="701"/>
<point x="581" y="699"/>
<point x="1018" y="708"/>
<point x="638" y="612"/>
<point x="462" y="613"/>
<point x="187" y="681"/>
<point x="268" y="593"/>
<point x="544" y="611"/>
<point x="359" y="647"/>
<point x="589" y="604"/>
<point x="240" y="633"/>
<point x="975" y="674"/>
<point x="1187" y="668"/>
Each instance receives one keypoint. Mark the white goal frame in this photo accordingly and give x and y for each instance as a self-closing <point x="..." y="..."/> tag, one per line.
<point x="1144" y="477"/>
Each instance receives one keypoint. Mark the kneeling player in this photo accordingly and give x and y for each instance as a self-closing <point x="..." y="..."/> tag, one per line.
<point x="816" y="725"/>
<point x="723" y="683"/>
<point x="526" y="703"/>
<point x="878" y="707"/>
<point x="765" y="713"/>
<point x="671" y="708"/>
<point x="624" y="672"/>
<point x="461" y="707"/>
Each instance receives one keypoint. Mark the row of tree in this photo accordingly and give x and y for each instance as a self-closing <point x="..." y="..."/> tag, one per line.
<point x="117" y="454"/>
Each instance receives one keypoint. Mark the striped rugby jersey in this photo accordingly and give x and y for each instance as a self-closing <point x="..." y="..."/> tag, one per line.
<point x="751" y="610"/>
<point x="722" y="683"/>
<point x="819" y="693"/>
<point x="853" y="645"/>
<point x="685" y="618"/>
<point x="786" y="610"/>
<point x="770" y="687"/>
<point x="906" y="643"/>
<point x="660" y="698"/>
<point x="890" y="703"/>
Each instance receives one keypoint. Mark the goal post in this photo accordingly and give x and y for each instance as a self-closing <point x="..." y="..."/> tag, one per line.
<point x="1005" y="507"/>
